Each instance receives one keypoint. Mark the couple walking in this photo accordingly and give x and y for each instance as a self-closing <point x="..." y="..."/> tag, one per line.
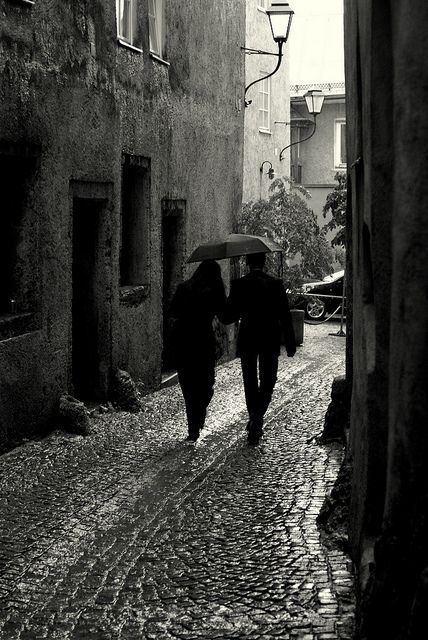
<point x="259" y="301"/>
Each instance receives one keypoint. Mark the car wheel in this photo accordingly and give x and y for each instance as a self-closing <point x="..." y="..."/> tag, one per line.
<point x="315" y="309"/>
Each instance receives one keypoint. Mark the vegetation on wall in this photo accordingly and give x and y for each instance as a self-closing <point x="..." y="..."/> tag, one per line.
<point x="286" y="218"/>
<point x="336" y="204"/>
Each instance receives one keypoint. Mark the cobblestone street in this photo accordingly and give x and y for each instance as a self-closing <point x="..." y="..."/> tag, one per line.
<point x="134" y="533"/>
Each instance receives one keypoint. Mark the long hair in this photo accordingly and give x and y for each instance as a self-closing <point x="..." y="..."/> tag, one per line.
<point x="207" y="280"/>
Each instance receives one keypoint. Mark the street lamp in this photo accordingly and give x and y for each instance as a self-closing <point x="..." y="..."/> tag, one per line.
<point x="314" y="99"/>
<point x="280" y="16"/>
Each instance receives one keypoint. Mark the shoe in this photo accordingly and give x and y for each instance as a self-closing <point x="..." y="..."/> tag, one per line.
<point x="253" y="439"/>
<point x="255" y="427"/>
<point x="255" y="424"/>
<point x="192" y="438"/>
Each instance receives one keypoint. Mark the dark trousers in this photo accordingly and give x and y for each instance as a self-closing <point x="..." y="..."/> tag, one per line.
<point x="259" y="372"/>
<point x="197" y="384"/>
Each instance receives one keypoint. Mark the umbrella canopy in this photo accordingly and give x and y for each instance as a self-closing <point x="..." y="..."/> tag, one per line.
<point x="236" y="244"/>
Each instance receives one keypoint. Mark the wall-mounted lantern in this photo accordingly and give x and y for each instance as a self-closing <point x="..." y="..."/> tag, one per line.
<point x="280" y="16"/>
<point x="270" y="172"/>
<point x="314" y="99"/>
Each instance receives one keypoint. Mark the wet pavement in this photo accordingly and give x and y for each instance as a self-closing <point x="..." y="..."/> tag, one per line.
<point x="133" y="533"/>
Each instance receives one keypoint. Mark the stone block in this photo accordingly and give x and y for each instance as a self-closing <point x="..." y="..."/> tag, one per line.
<point x="337" y="416"/>
<point x="73" y="415"/>
<point x="125" y="394"/>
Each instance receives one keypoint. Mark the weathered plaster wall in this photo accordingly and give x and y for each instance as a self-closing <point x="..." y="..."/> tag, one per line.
<point x="72" y="93"/>
<point x="387" y="82"/>
<point x="185" y="118"/>
<point x="50" y="101"/>
<point x="259" y="145"/>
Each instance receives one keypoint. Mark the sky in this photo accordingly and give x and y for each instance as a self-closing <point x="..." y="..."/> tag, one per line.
<point x="316" y="42"/>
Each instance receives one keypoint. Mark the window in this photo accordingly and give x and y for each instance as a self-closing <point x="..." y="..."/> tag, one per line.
<point x="340" y="144"/>
<point x="296" y="172"/>
<point x="264" y="103"/>
<point x="126" y="11"/>
<point x="156" y="27"/>
<point x="135" y="215"/>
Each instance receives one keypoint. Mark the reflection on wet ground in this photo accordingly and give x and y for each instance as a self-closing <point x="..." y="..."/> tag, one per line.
<point x="133" y="533"/>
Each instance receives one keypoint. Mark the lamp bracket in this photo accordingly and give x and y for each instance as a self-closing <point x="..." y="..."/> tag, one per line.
<point x="300" y="141"/>
<point x="258" y="52"/>
<point x="278" y="64"/>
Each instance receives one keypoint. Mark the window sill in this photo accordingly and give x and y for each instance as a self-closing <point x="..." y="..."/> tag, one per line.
<point x="155" y="56"/>
<point x="266" y="132"/>
<point x="318" y="185"/>
<point x="133" y="295"/>
<point x="127" y="45"/>
<point x="16" y="324"/>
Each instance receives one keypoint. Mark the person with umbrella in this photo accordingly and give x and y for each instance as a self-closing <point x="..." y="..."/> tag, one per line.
<point x="260" y="302"/>
<point x="193" y="307"/>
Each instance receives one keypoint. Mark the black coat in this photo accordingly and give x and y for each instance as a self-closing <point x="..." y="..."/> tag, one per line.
<point x="260" y="302"/>
<point x="193" y="309"/>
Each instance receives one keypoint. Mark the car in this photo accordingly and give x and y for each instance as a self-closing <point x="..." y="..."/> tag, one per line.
<point x="322" y="297"/>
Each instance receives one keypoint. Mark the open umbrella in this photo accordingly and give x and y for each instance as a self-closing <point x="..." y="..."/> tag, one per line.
<point x="236" y="244"/>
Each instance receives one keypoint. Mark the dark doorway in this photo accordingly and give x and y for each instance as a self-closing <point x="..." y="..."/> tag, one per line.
<point x="11" y="220"/>
<point x="17" y="235"/>
<point x="86" y="297"/>
<point x="172" y="260"/>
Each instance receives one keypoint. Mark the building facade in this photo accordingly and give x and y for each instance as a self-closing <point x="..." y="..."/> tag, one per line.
<point x="315" y="162"/>
<point x="118" y="122"/>
<point x="387" y="360"/>
<point x="267" y="117"/>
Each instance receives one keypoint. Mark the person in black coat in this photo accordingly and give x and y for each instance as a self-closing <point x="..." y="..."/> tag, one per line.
<point x="194" y="305"/>
<point x="260" y="302"/>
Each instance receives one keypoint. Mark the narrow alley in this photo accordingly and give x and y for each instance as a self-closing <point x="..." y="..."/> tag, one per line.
<point x="133" y="533"/>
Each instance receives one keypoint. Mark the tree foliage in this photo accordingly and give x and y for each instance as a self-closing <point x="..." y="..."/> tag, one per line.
<point x="287" y="219"/>
<point x="336" y="203"/>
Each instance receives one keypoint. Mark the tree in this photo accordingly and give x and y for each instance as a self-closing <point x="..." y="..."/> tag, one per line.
<point x="287" y="219"/>
<point x="336" y="203"/>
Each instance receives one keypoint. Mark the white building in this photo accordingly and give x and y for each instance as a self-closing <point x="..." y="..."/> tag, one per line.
<point x="266" y="118"/>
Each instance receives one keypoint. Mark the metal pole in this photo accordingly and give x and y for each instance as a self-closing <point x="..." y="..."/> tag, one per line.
<point x="343" y="303"/>
<point x="341" y="333"/>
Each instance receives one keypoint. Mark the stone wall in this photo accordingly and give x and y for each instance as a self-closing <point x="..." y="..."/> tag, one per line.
<point x="387" y="83"/>
<point x="78" y="110"/>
